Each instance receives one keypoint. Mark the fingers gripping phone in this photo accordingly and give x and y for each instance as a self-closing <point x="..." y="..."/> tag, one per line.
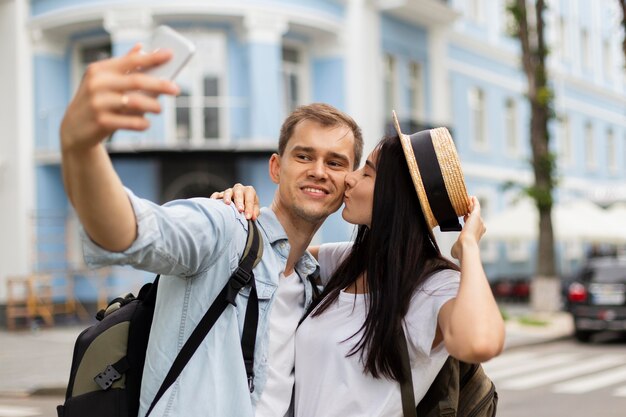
<point x="164" y="37"/>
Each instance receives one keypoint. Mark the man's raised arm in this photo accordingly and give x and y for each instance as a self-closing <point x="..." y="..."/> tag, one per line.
<point x="111" y="96"/>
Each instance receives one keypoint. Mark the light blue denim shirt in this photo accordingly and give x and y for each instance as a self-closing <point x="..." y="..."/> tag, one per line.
<point x="195" y="245"/>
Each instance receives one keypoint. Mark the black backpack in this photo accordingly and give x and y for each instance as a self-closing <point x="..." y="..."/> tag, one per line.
<point x="108" y="359"/>
<point x="460" y="389"/>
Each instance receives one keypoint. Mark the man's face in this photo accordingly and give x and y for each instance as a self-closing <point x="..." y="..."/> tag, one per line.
<point x="311" y="172"/>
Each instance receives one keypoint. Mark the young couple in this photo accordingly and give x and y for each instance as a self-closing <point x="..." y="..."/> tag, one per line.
<point x="345" y="353"/>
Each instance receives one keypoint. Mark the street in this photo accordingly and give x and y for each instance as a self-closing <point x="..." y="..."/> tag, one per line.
<point x="36" y="406"/>
<point x="547" y="380"/>
<point x="562" y="378"/>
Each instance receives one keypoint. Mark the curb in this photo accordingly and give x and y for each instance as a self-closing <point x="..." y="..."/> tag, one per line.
<point x="35" y="392"/>
<point x="536" y="342"/>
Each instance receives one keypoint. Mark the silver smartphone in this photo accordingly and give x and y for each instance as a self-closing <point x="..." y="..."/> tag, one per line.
<point x="164" y="37"/>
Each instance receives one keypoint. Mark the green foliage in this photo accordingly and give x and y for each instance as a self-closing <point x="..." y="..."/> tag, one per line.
<point x="532" y="321"/>
<point x="545" y="96"/>
<point x="542" y="195"/>
<point x="513" y="25"/>
<point x="505" y="315"/>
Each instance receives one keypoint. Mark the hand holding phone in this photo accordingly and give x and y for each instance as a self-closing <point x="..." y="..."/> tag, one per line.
<point x="164" y="37"/>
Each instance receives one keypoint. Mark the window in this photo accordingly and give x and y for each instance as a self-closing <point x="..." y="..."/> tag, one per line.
<point x="611" y="151"/>
<point x="85" y="54"/>
<point x="517" y="251"/>
<point x="585" y="51"/>
<point x="390" y="82"/>
<point x="590" y="156"/>
<point x="565" y="142"/>
<point x="200" y="110"/>
<point x="92" y="53"/>
<point x="607" y="58"/>
<point x="488" y="251"/>
<point x="477" y="111"/>
<point x="475" y="10"/>
<point x="416" y="92"/>
<point x="293" y="75"/>
<point x="510" y="120"/>
<point x="564" y="47"/>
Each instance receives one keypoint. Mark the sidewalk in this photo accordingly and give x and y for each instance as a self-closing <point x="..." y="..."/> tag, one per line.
<point x="524" y="328"/>
<point x="38" y="362"/>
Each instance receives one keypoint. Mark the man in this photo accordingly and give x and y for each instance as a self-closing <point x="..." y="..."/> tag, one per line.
<point x="196" y="244"/>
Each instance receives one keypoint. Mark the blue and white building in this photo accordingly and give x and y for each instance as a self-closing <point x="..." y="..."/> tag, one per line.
<point x="436" y="62"/>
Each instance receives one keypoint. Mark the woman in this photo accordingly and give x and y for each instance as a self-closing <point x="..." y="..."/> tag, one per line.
<point x="392" y="275"/>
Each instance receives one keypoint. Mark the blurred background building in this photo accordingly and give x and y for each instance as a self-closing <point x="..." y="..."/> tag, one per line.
<point x="438" y="63"/>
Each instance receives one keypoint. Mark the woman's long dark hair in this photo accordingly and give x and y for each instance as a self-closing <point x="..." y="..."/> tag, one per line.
<point x="396" y="255"/>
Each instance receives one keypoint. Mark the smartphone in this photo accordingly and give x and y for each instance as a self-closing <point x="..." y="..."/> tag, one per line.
<point x="164" y="37"/>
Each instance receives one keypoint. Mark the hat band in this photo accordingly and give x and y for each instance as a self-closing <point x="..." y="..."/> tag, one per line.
<point x="432" y="179"/>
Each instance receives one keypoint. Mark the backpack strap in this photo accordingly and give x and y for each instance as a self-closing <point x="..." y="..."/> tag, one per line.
<point x="442" y="397"/>
<point x="242" y="277"/>
<point x="406" y="386"/>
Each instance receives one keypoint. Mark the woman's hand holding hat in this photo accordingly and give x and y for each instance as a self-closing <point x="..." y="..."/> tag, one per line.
<point x="473" y="230"/>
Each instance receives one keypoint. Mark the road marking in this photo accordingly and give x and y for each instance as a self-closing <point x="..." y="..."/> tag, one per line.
<point x="549" y="376"/>
<point x="505" y="360"/>
<point x="620" y="392"/>
<point x="533" y="365"/>
<point x="590" y="383"/>
<point x="13" y="411"/>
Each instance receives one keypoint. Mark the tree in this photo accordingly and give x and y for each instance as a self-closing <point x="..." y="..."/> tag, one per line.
<point x="623" y="4"/>
<point x="529" y="28"/>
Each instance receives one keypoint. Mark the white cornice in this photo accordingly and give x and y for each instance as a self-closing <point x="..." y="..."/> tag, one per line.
<point x="611" y="117"/>
<point x="429" y="13"/>
<point x="487" y="76"/>
<point x="486" y="49"/>
<point x="65" y="20"/>
<point x="602" y="191"/>
<point x="47" y="45"/>
<point x="264" y="27"/>
<point x="128" y="25"/>
<point x="497" y="174"/>
<point x="582" y="84"/>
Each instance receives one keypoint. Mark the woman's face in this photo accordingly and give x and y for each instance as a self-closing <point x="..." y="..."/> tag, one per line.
<point x="359" y="195"/>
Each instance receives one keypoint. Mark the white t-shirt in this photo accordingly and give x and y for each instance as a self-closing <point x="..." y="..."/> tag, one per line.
<point x="328" y="383"/>
<point x="286" y="312"/>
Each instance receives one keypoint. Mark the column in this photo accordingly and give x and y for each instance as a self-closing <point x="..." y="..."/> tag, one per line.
<point x="264" y="36"/>
<point x="16" y="149"/>
<point x="364" y="83"/>
<point x="439" y="76"/>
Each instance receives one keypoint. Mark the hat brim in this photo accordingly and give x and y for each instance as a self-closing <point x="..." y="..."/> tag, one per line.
<point x="450" y="166"/>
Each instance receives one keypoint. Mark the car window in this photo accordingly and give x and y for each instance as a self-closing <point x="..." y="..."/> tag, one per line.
<point x="607" y="274"/>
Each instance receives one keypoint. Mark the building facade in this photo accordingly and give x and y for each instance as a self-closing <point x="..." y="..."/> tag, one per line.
<point x="437" y="63"/>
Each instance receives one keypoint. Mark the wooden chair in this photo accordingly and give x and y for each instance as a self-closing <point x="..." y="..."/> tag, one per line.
<point x="29" y="297"/>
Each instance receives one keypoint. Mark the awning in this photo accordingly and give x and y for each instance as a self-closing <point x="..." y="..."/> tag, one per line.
<point x="578" y="220"/>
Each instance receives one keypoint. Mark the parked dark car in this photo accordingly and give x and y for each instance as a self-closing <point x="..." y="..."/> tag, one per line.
<point x="597" y="297"/>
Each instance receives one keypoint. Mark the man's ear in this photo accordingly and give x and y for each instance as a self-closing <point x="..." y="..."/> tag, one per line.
<point x="275" y="168"/>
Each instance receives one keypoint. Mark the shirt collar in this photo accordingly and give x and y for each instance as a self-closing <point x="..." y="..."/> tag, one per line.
<point x="271" y="226"/>
<point x="274" y="231"/>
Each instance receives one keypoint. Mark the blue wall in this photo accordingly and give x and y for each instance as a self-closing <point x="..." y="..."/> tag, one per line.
<point x="328" y="83"/>
<point x="51" y="95"/>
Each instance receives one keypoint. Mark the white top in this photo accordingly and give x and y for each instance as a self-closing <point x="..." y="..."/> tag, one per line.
<point x="330" y="384"/>
<point x="285" y="315"/>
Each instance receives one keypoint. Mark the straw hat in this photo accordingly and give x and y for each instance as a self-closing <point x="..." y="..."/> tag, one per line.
<point x="437" y="176"/>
